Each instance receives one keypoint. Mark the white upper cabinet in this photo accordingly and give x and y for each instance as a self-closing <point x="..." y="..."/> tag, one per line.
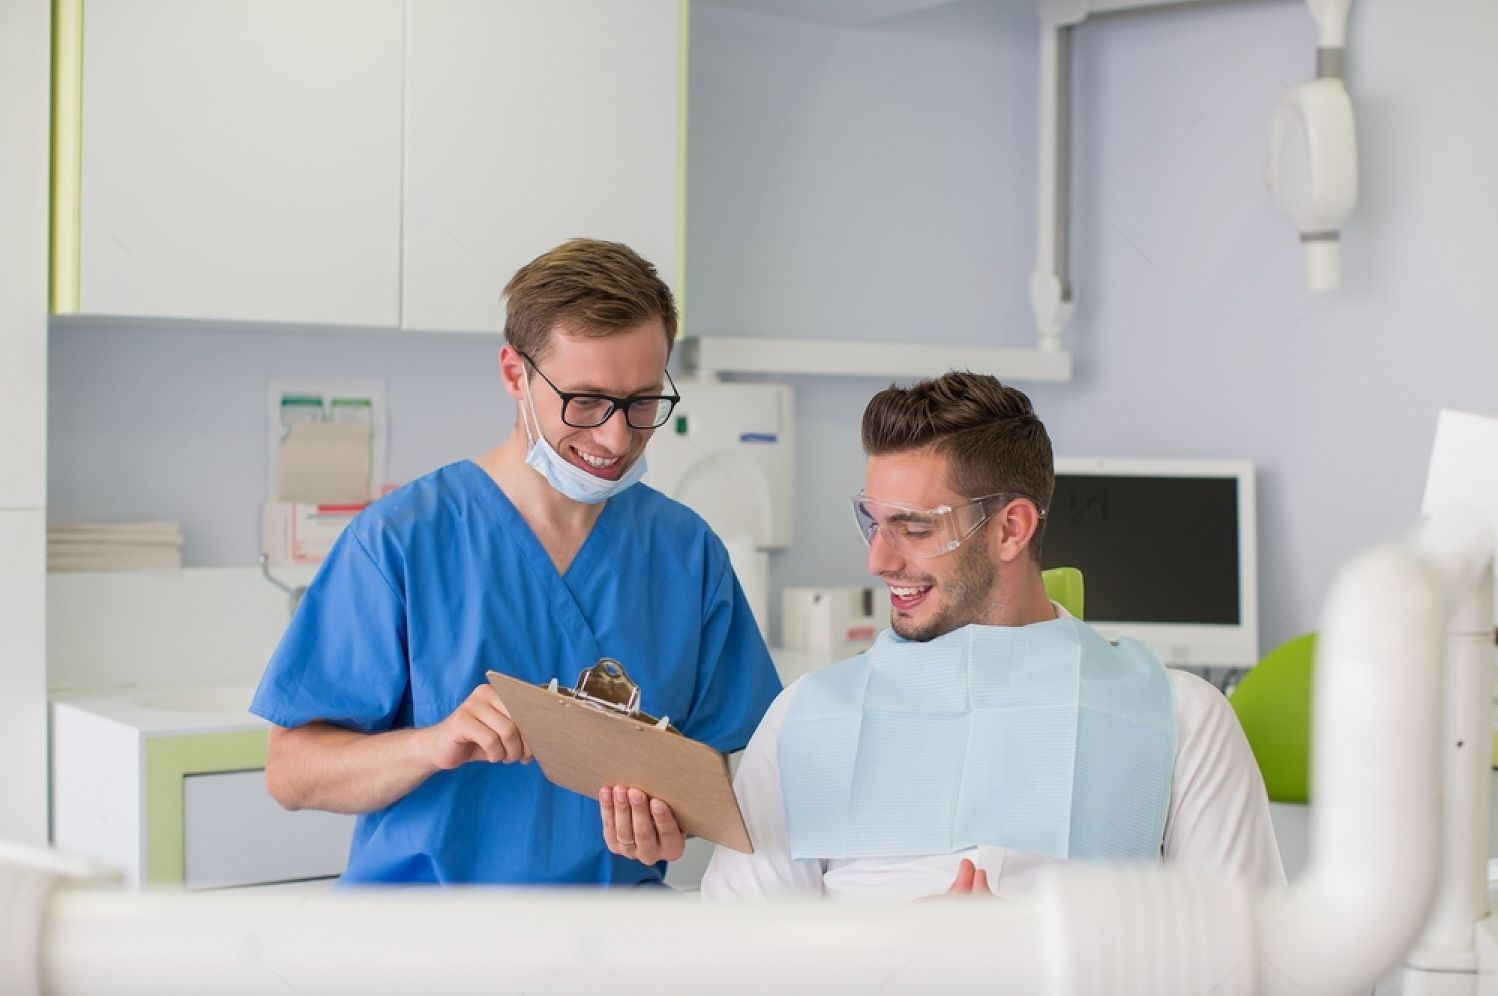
<point x="529" y="122"/>
<point x="23" y="387"/>
<point x="241" y="159"/>
<point x="24" y="86"/>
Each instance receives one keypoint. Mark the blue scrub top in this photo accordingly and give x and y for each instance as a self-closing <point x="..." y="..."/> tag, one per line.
<point x="441" y="581"/>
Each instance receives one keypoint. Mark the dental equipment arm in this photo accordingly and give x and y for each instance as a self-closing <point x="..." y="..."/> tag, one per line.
<point x="1313" y="154"/>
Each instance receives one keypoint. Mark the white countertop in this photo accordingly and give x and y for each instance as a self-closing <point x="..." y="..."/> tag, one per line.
<point x="224" y="708"/>
<point x="171" y="711"/>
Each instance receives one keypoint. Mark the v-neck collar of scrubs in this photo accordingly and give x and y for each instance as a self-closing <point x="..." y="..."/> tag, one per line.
<point x="587" y="553"/>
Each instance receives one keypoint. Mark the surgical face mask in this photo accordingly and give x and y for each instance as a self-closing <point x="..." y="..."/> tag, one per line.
<point x="568" y="479"/>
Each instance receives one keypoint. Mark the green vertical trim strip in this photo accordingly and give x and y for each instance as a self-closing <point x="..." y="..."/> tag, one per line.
<point x="67" y="155"/>
<point x="683" y="42"/>
<point x="168" y="761"/>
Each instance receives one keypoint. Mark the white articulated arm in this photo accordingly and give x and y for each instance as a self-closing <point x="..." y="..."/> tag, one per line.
<point x="1050" y="281"/>
<point x="1460" y="533"/>
<point x="1331" y="22"/>
<point x="29" y="879"/>
<point x="1375" y="825"/>
<point x="484" y="941"/>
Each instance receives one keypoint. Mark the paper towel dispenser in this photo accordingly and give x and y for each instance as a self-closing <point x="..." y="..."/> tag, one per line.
<point x="727" y="454"/>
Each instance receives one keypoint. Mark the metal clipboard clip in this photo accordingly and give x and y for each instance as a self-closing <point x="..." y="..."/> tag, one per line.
<point x="606" y="686"/>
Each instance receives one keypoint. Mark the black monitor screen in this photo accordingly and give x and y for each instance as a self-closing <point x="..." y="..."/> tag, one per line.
<point x="1150" y="549"/>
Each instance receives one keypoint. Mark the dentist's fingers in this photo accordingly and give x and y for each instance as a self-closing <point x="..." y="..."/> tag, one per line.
<point x="479" y="729"/>
<point x="624" y="820"/>
<point x="611" y="824"/>
<point x="647" y="842"/>
<point x="673" y="839"/>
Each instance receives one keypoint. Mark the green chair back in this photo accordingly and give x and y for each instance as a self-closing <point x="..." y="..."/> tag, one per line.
<point x="1273" y="703"/>
<point x="1064" y="585"/>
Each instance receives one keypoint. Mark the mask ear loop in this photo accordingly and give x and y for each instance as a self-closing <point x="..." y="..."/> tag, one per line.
<point x="526" y="421"/>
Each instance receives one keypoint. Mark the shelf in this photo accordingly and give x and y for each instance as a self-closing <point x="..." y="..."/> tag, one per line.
<point x="712" y="355"/>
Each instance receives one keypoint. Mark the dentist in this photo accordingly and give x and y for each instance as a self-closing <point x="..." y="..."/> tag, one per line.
<point x="535" y="559"/>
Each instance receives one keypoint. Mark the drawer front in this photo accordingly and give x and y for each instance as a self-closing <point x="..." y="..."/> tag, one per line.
<point x="236" y="834"/>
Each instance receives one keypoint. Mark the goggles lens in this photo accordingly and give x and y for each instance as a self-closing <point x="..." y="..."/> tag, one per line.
<point x="923" y="533"/>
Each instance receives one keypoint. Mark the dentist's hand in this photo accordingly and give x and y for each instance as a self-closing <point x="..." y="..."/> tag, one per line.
<point x="478" y="730"/>
<point x="970" y="881"/>
<point x="637" y="826"/>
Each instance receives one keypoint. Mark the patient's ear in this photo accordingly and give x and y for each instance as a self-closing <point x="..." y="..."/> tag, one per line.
<point x="1012" y="529"/>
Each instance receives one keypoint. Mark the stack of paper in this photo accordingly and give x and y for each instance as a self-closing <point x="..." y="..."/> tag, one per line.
<point x="114" y="546"/>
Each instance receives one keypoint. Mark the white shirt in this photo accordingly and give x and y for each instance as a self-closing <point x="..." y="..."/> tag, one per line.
<point x="1218" y="820"/>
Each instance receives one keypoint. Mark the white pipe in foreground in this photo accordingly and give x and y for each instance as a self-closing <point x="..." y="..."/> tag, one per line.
<point x="1447" y="942"/>
<point x="1375" y="780"/>
<point x="1461" y="505"/>
<point x="493" y="941"/>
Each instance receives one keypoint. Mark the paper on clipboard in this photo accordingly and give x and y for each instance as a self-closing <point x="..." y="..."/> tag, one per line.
<point x="584" y="742"/>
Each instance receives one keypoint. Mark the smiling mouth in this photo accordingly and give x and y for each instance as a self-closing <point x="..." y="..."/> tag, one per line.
<point x="905" y="598"/>
<point x="605" y="467"/>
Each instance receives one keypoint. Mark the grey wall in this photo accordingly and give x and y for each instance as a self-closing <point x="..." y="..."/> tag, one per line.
<point x="1194" y="336"/>
<point x="878" y="183"/>
<point x="869" y="183"/>
<point x="170" y="422"/>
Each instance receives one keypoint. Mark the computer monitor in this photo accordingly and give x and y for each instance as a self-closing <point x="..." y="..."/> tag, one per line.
<point x="1167" y="550"/>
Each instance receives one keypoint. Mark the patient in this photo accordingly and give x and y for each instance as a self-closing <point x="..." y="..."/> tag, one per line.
<point x="989" y="734"/>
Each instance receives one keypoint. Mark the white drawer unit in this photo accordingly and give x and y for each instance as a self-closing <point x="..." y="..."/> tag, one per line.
<point x="169" y="788"/>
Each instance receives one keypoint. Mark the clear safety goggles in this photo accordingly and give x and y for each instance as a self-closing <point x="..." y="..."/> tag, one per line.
<point x="923" y="533"/>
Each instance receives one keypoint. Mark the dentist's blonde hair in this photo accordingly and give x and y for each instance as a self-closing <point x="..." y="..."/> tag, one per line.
<point x="592" y="288"/>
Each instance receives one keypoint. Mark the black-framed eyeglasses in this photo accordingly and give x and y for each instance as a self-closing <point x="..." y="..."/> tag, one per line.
<point x="589" y="411"/>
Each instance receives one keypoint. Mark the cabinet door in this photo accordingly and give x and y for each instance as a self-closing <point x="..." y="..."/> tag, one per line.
<point x="24" y="84"/>
<point x="530" y="122"/>
<point x="23" y="677"/>
<point x="241" y="159"/>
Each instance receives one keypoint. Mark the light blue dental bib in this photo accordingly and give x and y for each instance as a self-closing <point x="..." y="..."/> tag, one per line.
<point x="1043" y="738"/>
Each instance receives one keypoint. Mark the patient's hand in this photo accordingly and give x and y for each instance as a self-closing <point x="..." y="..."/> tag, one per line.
<point x="637" y="826"/>
<point x="970" y="881"/>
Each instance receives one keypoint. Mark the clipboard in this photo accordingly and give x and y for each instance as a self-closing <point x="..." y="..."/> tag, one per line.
<point x="595" y="735"/>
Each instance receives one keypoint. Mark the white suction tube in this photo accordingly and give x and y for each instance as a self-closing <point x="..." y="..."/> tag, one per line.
<point x="488" y="941"/>
<point x="1376" y="781"/>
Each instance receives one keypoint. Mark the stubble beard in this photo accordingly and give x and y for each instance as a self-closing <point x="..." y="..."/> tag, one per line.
<point x="965" y="593"/>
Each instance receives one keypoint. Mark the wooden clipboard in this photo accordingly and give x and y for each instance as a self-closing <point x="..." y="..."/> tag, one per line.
<point x="595" y="735"/>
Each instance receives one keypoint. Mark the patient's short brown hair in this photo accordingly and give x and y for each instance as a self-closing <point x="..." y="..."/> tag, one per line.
<point x="593" y="287"/>
<point x="989" y="433"/>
